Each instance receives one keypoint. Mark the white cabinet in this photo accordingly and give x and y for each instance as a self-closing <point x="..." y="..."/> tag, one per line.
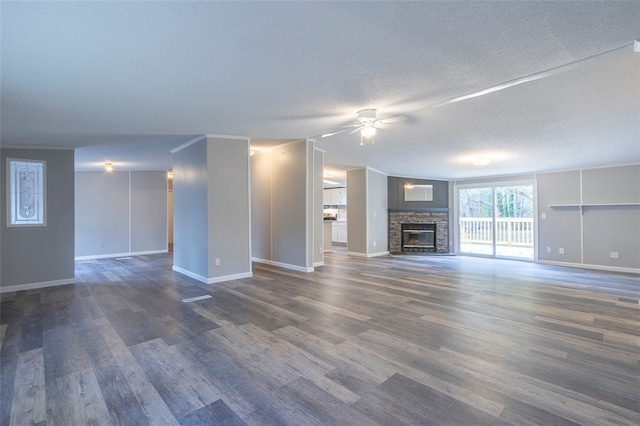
<point x="335" y="197"/>
<point x="339" y="232"/>
<point x="326" y="197"/>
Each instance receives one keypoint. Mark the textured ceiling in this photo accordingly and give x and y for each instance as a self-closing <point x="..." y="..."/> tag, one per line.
<point x="128" y="81"/>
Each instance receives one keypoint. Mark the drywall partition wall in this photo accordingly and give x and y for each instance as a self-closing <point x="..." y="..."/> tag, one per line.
<point x="190" y="214"/>
<point x="102" y="213"/>
<point x="357" y="212"/>
<point x="559" y="229"/>
<point x="287" y="238"/>
<point x="148" y="223"/>
<point x="40" y="256"/>
<point x="377" y="217"/>
<point x="290" y="206"/>
<point x="261" y="194"/>
<point x="318" y="221"/>
<point x="229" y="208"/>
<point x="368" y="229"/>
<point x="611" y="216"/>
<point x="211" y="208"/>
<point x="593" y="216"/>
<point x="120" y="213"/>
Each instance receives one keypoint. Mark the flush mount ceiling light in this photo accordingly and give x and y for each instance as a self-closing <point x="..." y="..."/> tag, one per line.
<point x="108" y="166"/>
<point x="480" y="160"/>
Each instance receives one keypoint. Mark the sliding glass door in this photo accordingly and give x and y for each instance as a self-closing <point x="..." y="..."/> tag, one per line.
<point x="496" y="220"/>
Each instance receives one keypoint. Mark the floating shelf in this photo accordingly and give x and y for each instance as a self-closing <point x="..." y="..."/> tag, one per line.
<point x="593" y="205"/>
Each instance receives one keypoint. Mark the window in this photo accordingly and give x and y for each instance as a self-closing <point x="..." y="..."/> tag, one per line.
<point x="25" y="192"/>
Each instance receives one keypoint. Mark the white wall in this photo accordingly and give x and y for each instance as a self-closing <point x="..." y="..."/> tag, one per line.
<point x="120" y="213"/>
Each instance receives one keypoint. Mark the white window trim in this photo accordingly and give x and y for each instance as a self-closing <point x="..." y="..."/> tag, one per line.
<point x="9" y="198"/>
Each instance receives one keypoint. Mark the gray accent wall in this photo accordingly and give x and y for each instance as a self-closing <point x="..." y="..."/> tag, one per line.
<point x="120" y="213"/>
<point x="367" y="212"/>
<point x="282" y="204"/>
<point x="211" y="209"/>
<point x="39" y="256"/>
<point x="396" y="194"/>
<point x="590" y="214"/>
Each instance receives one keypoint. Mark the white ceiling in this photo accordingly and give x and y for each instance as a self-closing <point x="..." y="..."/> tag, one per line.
<point x="128" y="81"/>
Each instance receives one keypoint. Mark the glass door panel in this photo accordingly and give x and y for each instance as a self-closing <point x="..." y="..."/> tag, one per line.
<point x="497" y="221"/>
<point x="476" y="221"/>
<point x="514" y="221"/>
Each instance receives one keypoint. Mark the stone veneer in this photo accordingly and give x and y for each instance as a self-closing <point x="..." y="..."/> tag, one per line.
<point x="440" y="219"/>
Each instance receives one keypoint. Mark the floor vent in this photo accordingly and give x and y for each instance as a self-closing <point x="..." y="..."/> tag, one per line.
<point x="194" y="299"/>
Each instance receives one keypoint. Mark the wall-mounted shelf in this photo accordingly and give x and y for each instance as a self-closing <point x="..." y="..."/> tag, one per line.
<point x="593" y="205"/>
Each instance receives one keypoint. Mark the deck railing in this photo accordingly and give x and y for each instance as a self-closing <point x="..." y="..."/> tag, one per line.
<point x="510" y="231"/>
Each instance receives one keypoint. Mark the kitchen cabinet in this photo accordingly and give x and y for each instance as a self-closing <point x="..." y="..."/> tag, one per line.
<point x="339" y="232"/>
<point x="335" y="197"/>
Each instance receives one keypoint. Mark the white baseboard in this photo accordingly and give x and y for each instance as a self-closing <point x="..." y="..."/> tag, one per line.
<point x="31" y="286"/>
<point x="316" y="264"/>
<point x="589" y="266"/>
<point x="282" y="265"/>
<point x="107" y="256"/>
<point x="356" y="254"/>
<point x="212" y="280"/>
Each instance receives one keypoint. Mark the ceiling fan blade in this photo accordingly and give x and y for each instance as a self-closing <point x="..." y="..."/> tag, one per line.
<point x="357" y="129"/>
<point x="334" y="132"/>
<point x="392" y="119"/>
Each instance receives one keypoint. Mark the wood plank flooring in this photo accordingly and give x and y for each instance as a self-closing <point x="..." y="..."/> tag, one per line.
<point x="429" y="340"/>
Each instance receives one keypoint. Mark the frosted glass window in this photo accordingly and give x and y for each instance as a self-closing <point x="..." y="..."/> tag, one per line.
<point x="25" y="192"/>
<point x="418" y="193"/>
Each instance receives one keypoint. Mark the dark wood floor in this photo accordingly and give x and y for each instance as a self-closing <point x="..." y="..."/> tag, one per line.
<point x="389" y="341"/>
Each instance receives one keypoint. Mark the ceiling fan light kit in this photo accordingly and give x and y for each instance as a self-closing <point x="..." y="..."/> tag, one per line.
<point x="368" y="125"/>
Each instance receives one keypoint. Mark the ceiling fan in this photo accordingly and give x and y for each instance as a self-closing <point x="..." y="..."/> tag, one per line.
<point x="367" y="126"/>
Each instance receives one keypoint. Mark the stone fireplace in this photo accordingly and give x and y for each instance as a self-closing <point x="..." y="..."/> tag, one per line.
<point x="418" y="227"/>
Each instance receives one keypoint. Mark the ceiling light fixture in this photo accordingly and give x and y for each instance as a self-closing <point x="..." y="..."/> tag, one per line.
<point x="108" y="166"/>
<point x="480" y="160"/>
<point x="367" y="133"/>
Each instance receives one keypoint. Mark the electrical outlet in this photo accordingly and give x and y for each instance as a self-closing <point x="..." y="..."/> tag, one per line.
<point x="614" y="255"/>
<point x="374" y="243"/>
<point x="101" y="245"/>
<point x="548" y="249"/>
<point x="217" y="261"/>
<point x="561" y="250"/>
<point x="543" y="216"/>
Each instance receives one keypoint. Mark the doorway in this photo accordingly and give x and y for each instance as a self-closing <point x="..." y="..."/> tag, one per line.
<point x="496" y="220"/>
